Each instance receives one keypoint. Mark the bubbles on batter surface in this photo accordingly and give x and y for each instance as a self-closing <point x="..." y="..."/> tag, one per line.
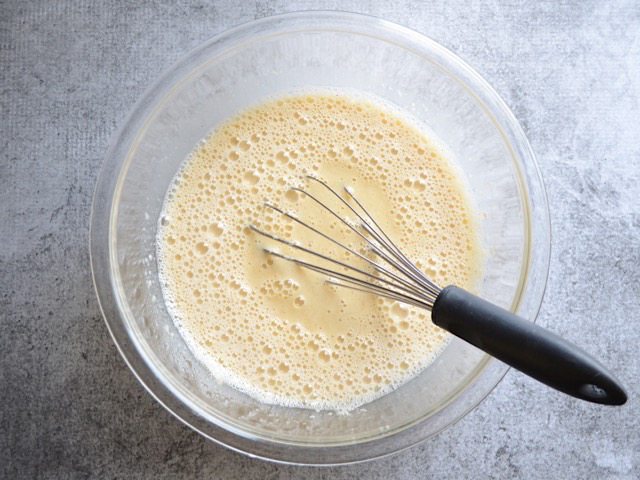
<point x="277" y="332"/>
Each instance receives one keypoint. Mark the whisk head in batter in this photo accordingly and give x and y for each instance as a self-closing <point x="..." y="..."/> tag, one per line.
<point x="387" y="271"/>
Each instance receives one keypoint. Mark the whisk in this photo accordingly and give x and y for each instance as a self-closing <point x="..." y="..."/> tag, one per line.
<point x="525" y="346"/>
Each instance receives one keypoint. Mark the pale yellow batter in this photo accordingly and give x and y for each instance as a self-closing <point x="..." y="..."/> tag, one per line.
<point x="270" y="328"/>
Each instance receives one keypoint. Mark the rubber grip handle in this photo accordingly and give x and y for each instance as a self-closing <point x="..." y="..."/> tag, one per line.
<point x="525" y="346"/>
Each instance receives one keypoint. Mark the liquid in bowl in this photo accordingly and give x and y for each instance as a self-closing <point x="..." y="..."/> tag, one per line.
<point x="278" y="332"/>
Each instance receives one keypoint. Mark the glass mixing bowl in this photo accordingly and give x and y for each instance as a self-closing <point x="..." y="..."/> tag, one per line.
<point x="240" y="68"/>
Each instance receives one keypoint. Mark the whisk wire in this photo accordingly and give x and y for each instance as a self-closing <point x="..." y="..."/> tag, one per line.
<point x="391" y="296"/>
<point x="408" y="285"/>
<point x="374" y="229"/>
<point x="418" y="279"/>
<point x="421" y="278"/>
<point x="409" y="290"/>
<point x="415" y="290"/>
<point x="354" y="282"/>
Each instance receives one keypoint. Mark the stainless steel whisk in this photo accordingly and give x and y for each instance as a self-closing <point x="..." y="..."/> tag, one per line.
<point x="525" y="346"/>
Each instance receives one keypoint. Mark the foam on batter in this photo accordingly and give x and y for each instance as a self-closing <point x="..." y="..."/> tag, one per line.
<point x="270" y="328"/>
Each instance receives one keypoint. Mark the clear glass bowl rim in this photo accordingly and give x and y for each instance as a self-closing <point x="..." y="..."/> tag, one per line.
<point x="535" y="266"/>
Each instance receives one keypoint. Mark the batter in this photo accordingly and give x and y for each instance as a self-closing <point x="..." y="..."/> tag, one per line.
<point x="270" y="328"/>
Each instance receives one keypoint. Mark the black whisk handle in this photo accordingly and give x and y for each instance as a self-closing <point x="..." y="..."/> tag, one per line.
<point x="525" y="346"/>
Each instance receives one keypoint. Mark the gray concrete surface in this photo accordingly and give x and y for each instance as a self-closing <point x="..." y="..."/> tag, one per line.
<point x="70" y="71"/>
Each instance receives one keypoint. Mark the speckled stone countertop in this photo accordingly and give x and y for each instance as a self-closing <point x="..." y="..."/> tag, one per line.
<point x="69" y="73"/>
